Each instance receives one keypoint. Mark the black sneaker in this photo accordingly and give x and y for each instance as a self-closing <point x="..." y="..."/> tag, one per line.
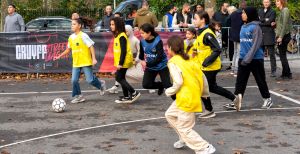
<point x="136" y="95"/>
<point x="123" y="99"/>
<point x="160" y="91"/>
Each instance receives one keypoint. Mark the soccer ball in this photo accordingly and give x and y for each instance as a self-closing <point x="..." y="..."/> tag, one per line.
<point x="58" y="105"/>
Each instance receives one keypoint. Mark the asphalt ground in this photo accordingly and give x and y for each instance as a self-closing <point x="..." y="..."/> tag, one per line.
<point x="27" y="124"/>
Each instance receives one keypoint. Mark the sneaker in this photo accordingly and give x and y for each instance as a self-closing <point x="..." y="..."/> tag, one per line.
<point x="179" y="144"/>
<point x="238" y="102"/>
<point x="151" y="91"/>
<point x="230" y="106"/>
<point x="124" y="100"/>
<point x="113" y="89"/>
<point x="160" y="91"/>
<point x="103" y="87"/>
<point x="209" y="150"/>
<point x="267" y="103"/>
<point x="78" y="99"/>
<point x="136" y="95"/>
<point x="207" y="114"/>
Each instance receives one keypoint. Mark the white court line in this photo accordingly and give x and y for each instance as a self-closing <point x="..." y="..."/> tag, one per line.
<point x="84" y="91"/>
<point x="129" y="122"/>
<point x="285" y="97"/>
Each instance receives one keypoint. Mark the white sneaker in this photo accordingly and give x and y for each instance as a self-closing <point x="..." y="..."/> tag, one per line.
<point x="179" y="144"/>
<point x="78" y="99"/>
<point x="209" y="150"/>
<point x="151" y="91"/>
<point x="207" y="114"/>
<point x="113" y="90"/>
<point x="103" y="87"/>
<point x="238" y="102"/>
<point x="267" y="103"/>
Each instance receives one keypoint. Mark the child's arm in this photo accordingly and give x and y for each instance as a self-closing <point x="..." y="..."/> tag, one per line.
<point x="92" y="50"/>
<point x="177" y="80"/>
<point x="123" y="44"/>
<point x="67" y="51"/>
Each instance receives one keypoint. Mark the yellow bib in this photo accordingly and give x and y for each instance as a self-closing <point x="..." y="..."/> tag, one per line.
<point x="204" y="51"/>
<point x="188" y="98"/>
<point x="117" y="52"/>
<point x="81" y="53"/>
<point x="191" y="51"/>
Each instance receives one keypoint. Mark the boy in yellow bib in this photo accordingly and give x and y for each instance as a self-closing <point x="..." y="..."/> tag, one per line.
<point x="83" y="54"/>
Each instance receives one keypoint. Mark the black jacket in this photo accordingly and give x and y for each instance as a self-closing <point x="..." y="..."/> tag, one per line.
<point x="266" y="18"/>
<point x="236" y="22"/>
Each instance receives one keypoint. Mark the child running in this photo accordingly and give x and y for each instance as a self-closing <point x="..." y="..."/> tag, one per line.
<point x="153" y="59"/>
<point x="189" y="86"/>
<point x="208" y="54"/>
<point x="84" y="58"/>
<point x="123" y="60"/>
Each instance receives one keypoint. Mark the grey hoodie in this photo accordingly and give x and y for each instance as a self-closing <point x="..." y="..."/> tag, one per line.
<point x="14" y="23"/>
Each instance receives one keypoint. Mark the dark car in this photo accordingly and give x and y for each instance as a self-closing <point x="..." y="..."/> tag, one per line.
<point x="49" y="24"/>
<point x="126" y="8"/>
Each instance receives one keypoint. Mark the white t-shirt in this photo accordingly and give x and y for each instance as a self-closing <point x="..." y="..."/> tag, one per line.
<point x="85" y="38"/>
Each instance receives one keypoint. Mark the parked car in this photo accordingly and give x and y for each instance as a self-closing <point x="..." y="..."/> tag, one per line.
<point x="126" y="8"/>
<point x="50" y="23"/>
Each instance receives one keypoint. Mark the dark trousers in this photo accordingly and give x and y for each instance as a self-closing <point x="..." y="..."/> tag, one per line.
<point x="126" y="87"/>
<point x="271" y="50"/>
<point x="149" y="79"/>
<point x="256" y="67"/>
<point x="214" y="88"/>
<point x="231" y="50"/>
<point x="286" y="72"/>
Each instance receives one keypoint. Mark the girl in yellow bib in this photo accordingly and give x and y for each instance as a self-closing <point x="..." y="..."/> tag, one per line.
<point x="189" y="46"/>
<point x="123" y="59"/>
<point x="83" y="54"/>
<point x="189" y="86"/>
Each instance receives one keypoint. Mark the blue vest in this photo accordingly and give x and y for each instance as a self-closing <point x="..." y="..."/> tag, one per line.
<point x="151" y="54"/>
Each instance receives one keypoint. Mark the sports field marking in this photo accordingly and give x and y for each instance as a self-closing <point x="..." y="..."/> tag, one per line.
<point x="127" y="122"/>
<point x="285" y="97"/>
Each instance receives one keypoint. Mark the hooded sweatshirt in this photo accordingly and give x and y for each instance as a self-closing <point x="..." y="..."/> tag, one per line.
<point x="145" y="16"/>
<point x="134" y="42"/>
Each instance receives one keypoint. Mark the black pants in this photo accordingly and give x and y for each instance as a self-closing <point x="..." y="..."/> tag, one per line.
<point x="214" y="88"/>
<point x="126" y="87"/>
<point x="231" y="50"/>
<point x="271" y="50"/>
<point x="258" y="71"/>
<point x="149" y="79"/>
<point x="286" y="72"/>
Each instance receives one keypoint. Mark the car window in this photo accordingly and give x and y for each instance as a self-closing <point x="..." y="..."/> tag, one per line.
<point x="35" y="25"/>
<point x="65" y="24"/>
<point x="53" y="24"/>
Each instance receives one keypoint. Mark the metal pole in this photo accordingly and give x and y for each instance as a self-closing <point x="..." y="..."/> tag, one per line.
<point x="114" y="4"/>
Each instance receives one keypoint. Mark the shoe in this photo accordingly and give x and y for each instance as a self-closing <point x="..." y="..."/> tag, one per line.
<point x="122" y="99"/>
<point x="179" y="144"/>
<point x="209" y="150"/>
<point x="228" y="68"/>
<point x="136" y="95"/>
<point x="207" y="114"/>
<point x="103" y="87"/>
<point x="151" y="91"/>
<point x="238" y="102"/>
<point x="230" y="106"/>
<point x="267" y="103"/>
<point x="78" y="99"/>
<point x="113" y="89"/>
<point x="284" y="78"/>
<point x="160" y="91"/>
<point x="273" y="74"/>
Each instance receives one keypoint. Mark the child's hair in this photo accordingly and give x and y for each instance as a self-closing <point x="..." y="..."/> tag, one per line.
<point x="119" y="13"/>
<point x="193" y="31"/>
<point x="89" y="22"/>
<point x="80" y="22"/>
<point x="176" y="44"/>
<point x="213" y="24"/>
<point x="149" y="28"/>
<point x="203" y="14"/>
<point x="119" y="26"/>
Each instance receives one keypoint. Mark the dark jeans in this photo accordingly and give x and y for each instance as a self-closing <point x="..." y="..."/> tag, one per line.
<point x="231" y="50"/>
<point x="126" y="87"/>
<point x="149" y="79"/>
<point x="286" y="72"/>
<point x="258" y="71"/>
<point x="214" y="88"/>
<point x="271" y="50"/>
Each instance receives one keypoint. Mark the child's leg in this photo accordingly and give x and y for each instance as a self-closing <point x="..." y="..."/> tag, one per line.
<point x="75" y="78"/>
<point x="165" y="78"/>
<point x="242" y="79"/>
<point x="126" y="87"/>
<point x="90" y="77"/>
<point x="258" y="71"/>
<point x="149" y="80"/>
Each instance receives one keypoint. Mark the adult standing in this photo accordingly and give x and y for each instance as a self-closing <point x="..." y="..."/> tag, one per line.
<point x="144" y="15"/>
<point x="13" y="21"/>
<point x="168" y="19"/>
<point x="266" y="16"/>
<point x="283" y="36"/>
<point x="105" y="24"/>
<point x="183" y="19"/>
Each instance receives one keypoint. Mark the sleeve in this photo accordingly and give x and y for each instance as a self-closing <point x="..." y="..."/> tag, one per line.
<point x="142" y="52"/>
<point x="267" y="21"/>
<point x="135" y="24"/>
<point x="176" y="75"/>
<point x="154" y="20"/>
<point x="69" y="43"/>
<point x="286" y="16"/>
<point x="137" y="45"/>
<point x="87" y="40"/>
<point x="159" y="56"/>
<point x="123" y="44"/>
<point x="21" y="23"/>
<point x="174" y="22"/>
<point x="257" y="40"/>
<point x="211" y="41"/>
<point x="5" y="24"/>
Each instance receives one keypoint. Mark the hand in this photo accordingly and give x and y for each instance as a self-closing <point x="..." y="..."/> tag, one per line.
<point x="119" y="67"/>
<point x="56" y="58"/>
<point x="279" y="40"/>
<point x="143" y="63"/>
<point x="95" y="61"/>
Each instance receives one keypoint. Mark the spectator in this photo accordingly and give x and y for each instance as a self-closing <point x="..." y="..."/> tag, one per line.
<point x="13" y="21"/>
<point x="105" y="24"/>
<point x="230" y="10"/>
<point x="145" y="16"/>
<point x="283" y="36"/>
<point x="75" y="16"/>
<point x="168" y="19"/>
<point x="221" y="17"/>
<point x="266" y="16"/>
<point x="183" y="19"/>
<point x="199" y="7"/>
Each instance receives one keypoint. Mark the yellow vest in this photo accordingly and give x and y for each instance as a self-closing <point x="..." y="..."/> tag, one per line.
<point x="188" y="98"/>
<point x="191" y="51"/>
<point x="117" y="52"/>
<point x="81" y="53"/>
<point x="204" y="51"/>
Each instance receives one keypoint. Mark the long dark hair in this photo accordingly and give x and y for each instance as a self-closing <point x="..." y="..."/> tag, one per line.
<point x="148" y="28"/>
<point x="119" y="26"/>
<point x="80" y="22"/>
<point x="203" y="14"/>
<point x="177" y="46"/>
<point x="193" y="31"/>
<point x="213" y="24"/>
<point x="89" y="22"/>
